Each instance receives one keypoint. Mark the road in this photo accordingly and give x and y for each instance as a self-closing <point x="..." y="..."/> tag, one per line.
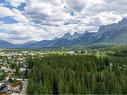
<point x="23" y="92"/>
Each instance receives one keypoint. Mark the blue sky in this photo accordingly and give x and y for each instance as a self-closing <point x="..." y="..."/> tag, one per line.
<point x="34" y="20"/>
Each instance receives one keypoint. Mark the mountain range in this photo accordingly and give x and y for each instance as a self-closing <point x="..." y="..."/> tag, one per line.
<point x="111" y="34"/>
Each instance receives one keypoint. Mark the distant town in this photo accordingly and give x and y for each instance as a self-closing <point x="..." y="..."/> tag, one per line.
<point x="12" y="71"/>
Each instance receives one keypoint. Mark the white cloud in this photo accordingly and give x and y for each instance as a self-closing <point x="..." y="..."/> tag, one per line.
<point x="5" y="12"/>
<point x="21" y="33"/>
<point x="19" y="16"/>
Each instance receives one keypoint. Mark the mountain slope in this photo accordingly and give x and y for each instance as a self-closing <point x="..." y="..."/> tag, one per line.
<point x="5" y="44"/>
<point x="114" y="33"/>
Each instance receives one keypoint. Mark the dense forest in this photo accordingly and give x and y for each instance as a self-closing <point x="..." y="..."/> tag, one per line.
<point x="77" y="74"/>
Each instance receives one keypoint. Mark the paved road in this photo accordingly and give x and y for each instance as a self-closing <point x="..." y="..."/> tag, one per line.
<point x="23" y="92"/>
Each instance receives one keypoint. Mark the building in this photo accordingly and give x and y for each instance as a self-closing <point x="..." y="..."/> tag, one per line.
<point x="3" y="87"/>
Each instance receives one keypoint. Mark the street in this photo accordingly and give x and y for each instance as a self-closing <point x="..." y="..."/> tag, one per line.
<point x="23" y="91"/>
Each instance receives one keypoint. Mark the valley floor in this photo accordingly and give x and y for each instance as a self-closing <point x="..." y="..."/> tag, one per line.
<point x="64" y="71"/>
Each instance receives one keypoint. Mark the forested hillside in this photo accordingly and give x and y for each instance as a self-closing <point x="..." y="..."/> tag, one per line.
<point x="77" y="74"/>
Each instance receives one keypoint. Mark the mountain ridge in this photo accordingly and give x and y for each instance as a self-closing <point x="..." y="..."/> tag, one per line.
<point x="115" y="33"/>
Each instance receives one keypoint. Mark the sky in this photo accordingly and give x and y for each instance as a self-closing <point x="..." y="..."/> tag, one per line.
<point x="22" y="21"/>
